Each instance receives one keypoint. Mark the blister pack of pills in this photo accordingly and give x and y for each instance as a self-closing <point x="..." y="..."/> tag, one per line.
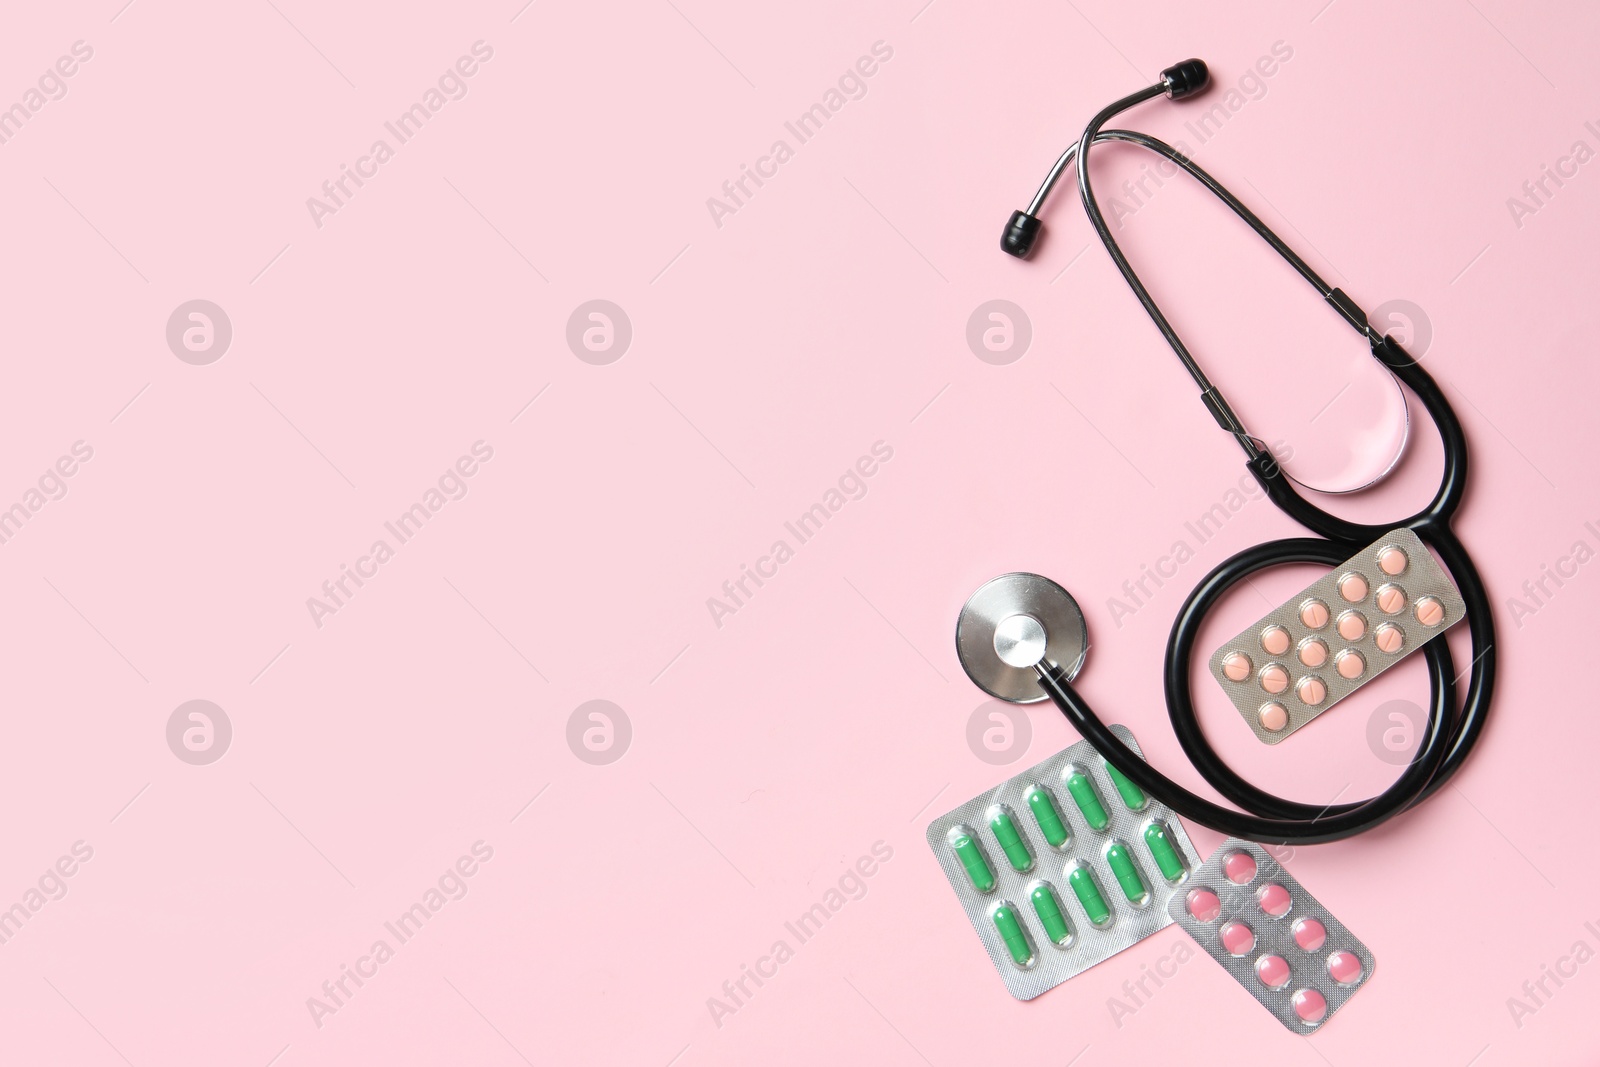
<point x="1342" y="631"/>
<point x="1063" y="866"/>
<point x="1276" y="940"/>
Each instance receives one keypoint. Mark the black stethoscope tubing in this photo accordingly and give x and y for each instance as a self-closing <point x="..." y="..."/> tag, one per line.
<point x="1449" y="736"/>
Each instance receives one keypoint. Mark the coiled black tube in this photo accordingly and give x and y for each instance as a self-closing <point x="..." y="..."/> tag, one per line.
<point x="1450" y="734"/>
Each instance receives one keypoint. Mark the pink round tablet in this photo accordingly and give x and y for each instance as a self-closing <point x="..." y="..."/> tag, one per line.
<point x="1273" y="716"/>
<point x="1313" y="652"/>
<point x="1389" y="638"/>
<point x="1310" y="934"/>
<point x="1236" y="666"/>
<point x="1429" y="611"/>
<point x="1310" y="1006"/>
<point x="1391" y="599"/>
<point x="1312" y="691"/>
<point x="1314" y="614"/>
<point x="1274" y="678"/>
<point x="1274" y="900"/>
<point x="1238" y="939"/>
<point x="1275" y="639"/>
<point x="1352" y="626"/>
<point x="1353" y="587"/>
<point x="1203" y="905"/>
<point x="1392" y="561"/>
<point x="1344" y="968"/>
<point x="1240" y="867"/>
<point x="1273" y="971"/>
<point x="1350" y="664"/>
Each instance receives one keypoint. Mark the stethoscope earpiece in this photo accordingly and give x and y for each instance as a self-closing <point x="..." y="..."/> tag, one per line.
<point x="1186" y="78"/>
<point x="1179" y="80"/>
<point x="1020" y="233"/>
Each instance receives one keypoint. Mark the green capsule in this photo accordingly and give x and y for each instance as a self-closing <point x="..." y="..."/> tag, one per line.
<point x="1127" y="872"/>
<point x="1011" y="843"/>
<point x="1132" y="795"/>
<point x="1167" y="858"/>
<point x="1049" y="820"/>
<point x="1088" y="893"/>
<point x="1048" y="909"/>
<point x="1005" y="920"/>
<point x="971" y="857"/>
<point x="1082" y="791"/>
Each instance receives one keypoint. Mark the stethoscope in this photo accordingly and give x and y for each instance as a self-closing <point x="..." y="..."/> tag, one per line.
<point x="1022" y="637"/>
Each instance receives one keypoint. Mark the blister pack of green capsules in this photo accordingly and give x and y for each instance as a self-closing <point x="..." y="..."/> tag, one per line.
<point x="1063" y="866"/>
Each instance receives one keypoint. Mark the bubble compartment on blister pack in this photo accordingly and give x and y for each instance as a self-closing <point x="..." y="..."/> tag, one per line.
<point x="1004" y="828"/>
<point x="963" y="843"/>
<point x="1062" y="866"/>
<point x="1276" y="939"/>
<point x="1336" y="635"/>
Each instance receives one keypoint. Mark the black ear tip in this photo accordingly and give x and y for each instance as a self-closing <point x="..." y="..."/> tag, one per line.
<point x="1186" y="78"/>
<point x="1020" y="233"/>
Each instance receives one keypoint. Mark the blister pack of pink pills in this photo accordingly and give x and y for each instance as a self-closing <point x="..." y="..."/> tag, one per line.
<point x="1339" y="633"/>
<point x="1275" y="938"/>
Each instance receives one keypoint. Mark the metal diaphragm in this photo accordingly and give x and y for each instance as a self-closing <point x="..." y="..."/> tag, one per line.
<point x="1013" y="622"/>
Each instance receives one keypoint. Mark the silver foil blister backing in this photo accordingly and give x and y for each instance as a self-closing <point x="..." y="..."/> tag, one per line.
<point x="1274" y="935"/>
<point x="1052" y="963"/>
<point x="1421" y="581"/>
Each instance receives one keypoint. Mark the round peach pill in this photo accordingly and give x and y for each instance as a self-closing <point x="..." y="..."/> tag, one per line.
<point x="1350" y="664"/>
<point x="1352" y="626"/>
<point x="1273" y="716"/>
<point x="1274" y="678"/>
<point x="1392" y="561"/>
<point x="1388" y="638"/>
<point x="1275" y="639"/>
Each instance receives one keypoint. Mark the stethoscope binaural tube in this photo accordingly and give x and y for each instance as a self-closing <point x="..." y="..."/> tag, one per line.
<point x="1449" y="736"/>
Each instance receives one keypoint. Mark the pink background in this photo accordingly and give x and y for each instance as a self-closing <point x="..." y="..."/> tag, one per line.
<point x="768" y="354"/>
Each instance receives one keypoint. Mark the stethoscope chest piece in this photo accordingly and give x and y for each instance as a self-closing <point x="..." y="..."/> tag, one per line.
<point x="1013" y="622"/>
